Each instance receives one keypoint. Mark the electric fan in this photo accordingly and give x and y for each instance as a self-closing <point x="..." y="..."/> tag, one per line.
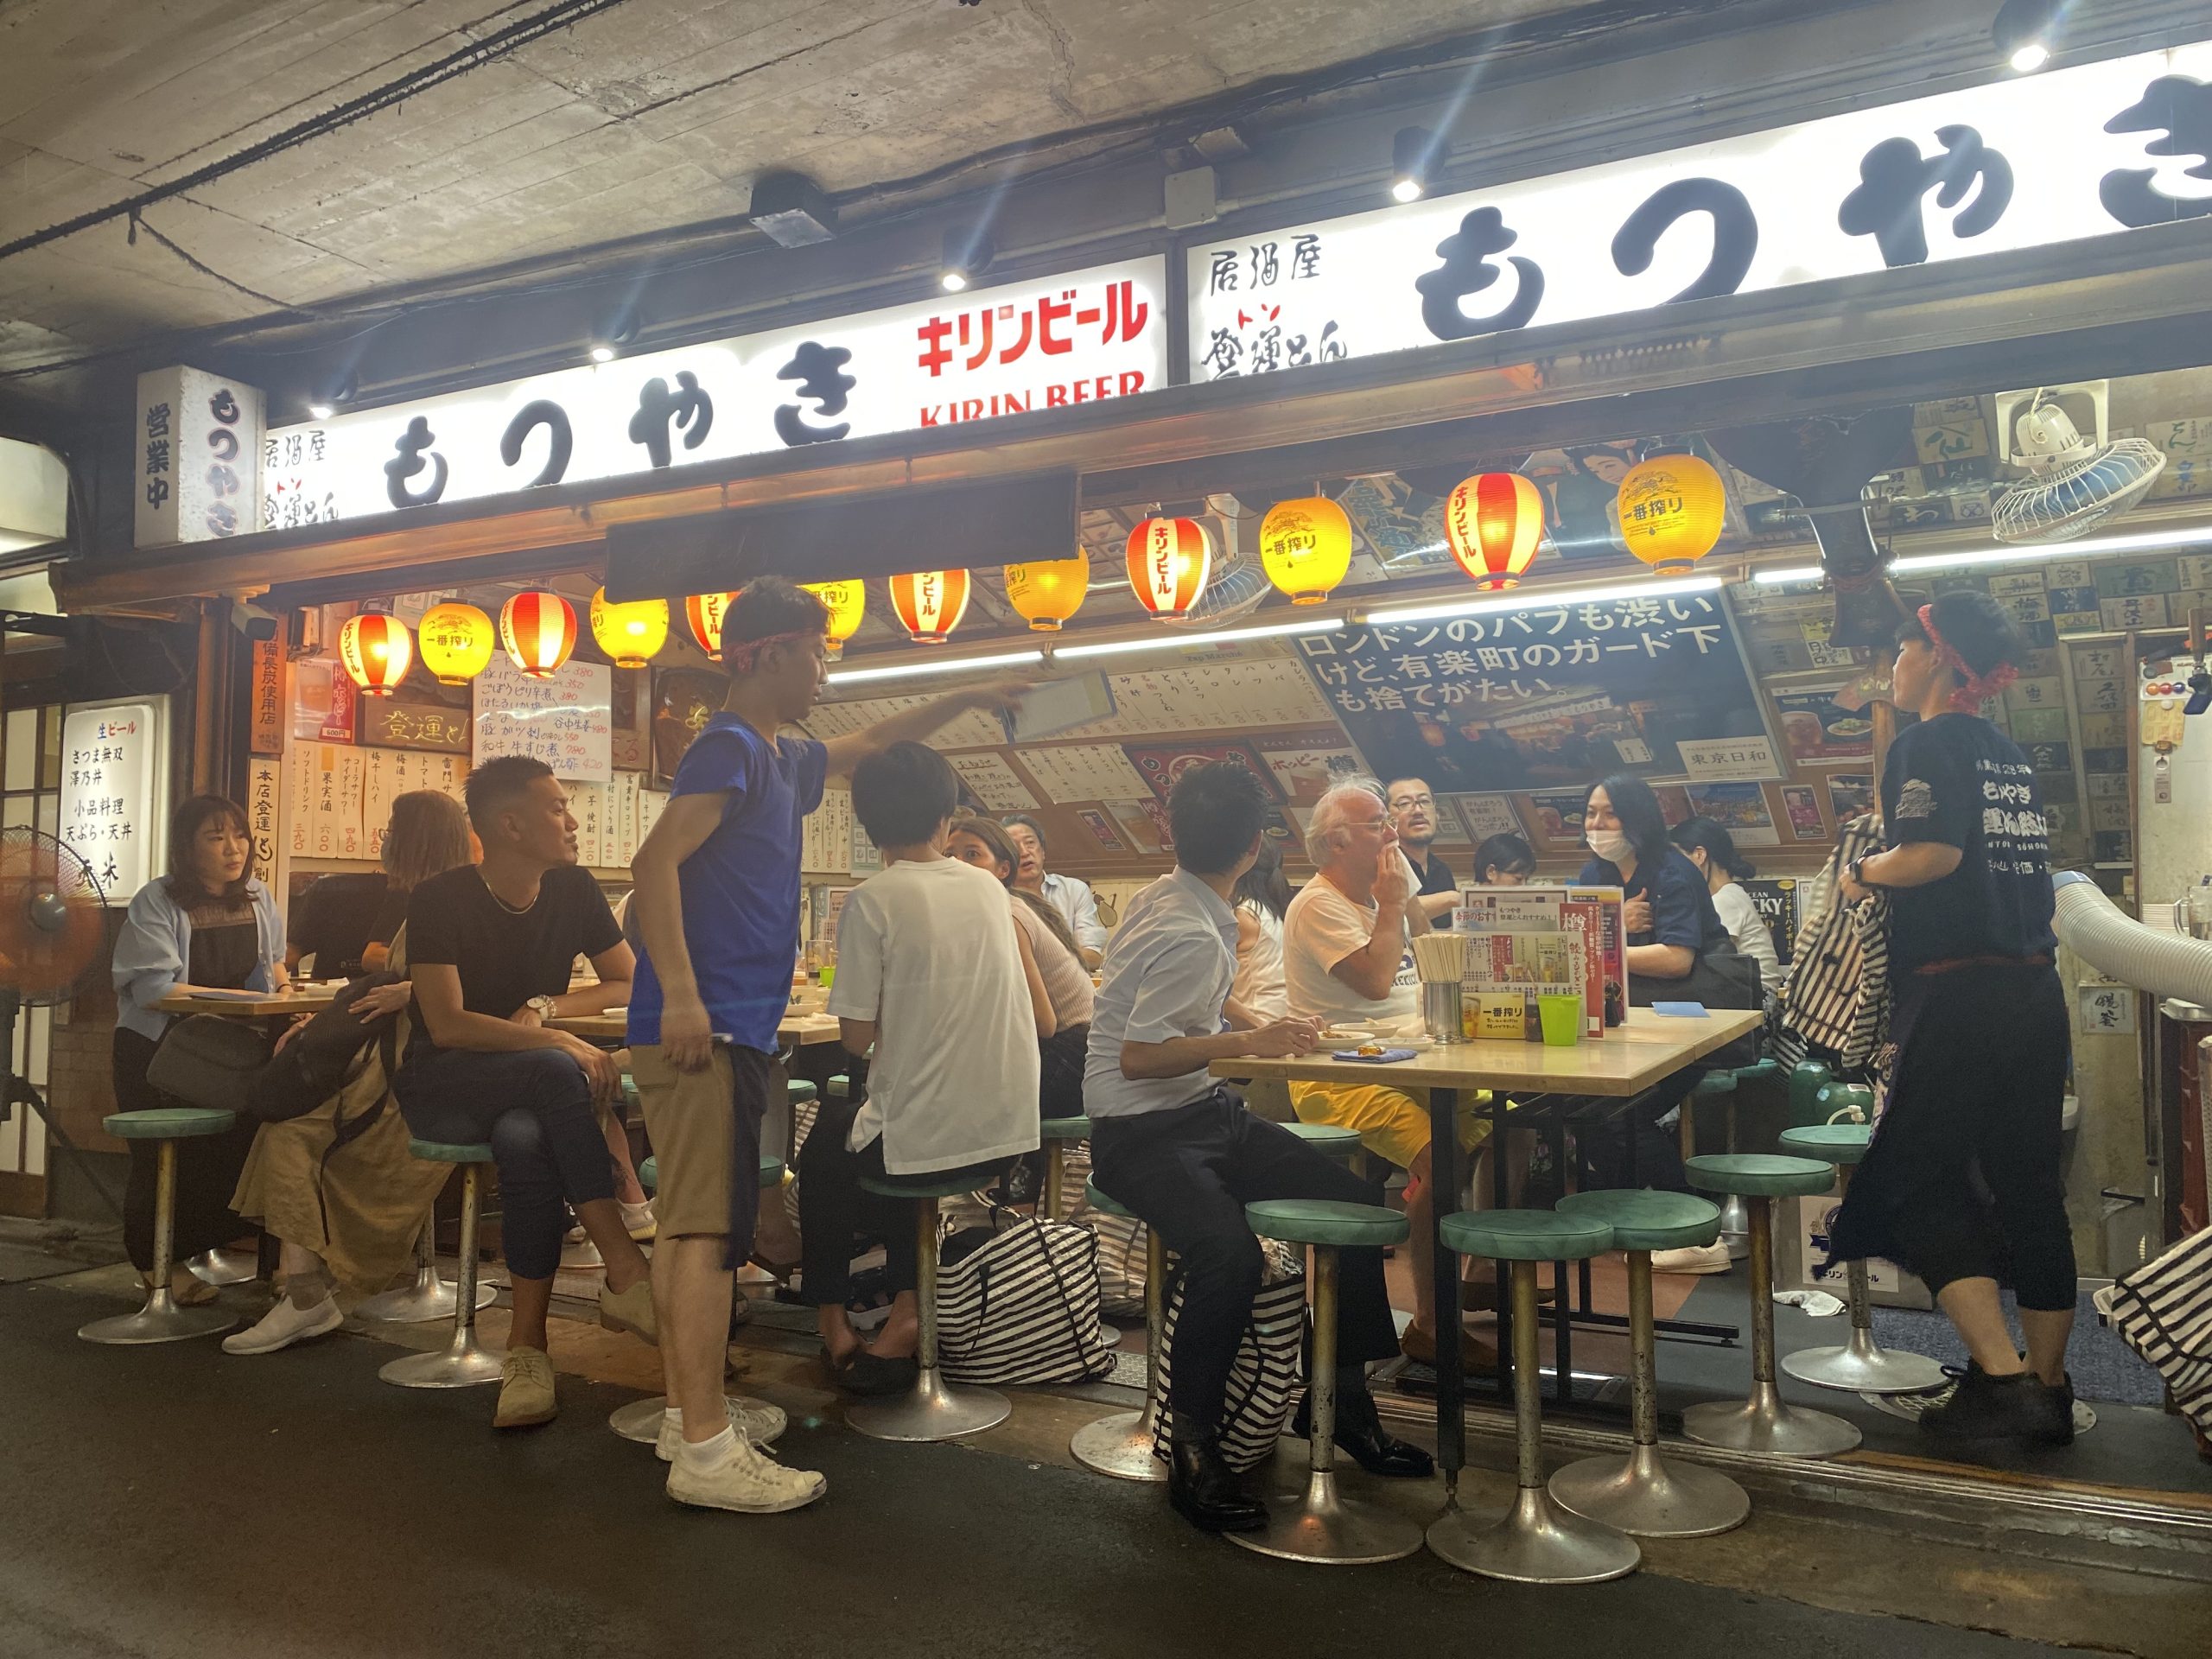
<point x="1237" y="585"/>
<point x="52" y="924"/>
<point x="2074" y="485"/>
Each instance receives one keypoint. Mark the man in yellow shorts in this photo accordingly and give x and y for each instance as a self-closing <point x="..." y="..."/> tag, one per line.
<point x="1348" y="959"/>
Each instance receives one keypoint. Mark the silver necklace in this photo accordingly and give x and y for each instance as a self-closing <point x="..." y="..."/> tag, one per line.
<point x="511" y="910"/>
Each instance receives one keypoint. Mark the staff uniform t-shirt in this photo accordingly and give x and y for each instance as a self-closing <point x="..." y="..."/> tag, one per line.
<point x="1323" y="928"/>
<point x="1958" y="780"/>
<point x="1436" y="877"/>
<point x="1682" y="904"/>
<point x="506" y="957"/>
<point x="925" y="951"/>
<point x="740" y="887"/>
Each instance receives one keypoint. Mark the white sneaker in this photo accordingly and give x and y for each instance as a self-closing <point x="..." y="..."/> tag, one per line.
<point x="755" y="1420"/>
<point x="743" y="1478"/>
<point x="637" y="1221"/>
<point x="1697" y="1258"/>
<point x="284" y="1325"/>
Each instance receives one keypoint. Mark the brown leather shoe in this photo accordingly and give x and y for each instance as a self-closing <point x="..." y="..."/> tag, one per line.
<point x="1475" y="1354"/>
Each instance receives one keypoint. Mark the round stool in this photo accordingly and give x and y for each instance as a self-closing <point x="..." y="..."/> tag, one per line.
<point x="431" y="1295"/>
<point x="463" y="1363"/>
<point x="1121" y="1445"/>
<point x="841" y="1087"/>
<point x="1056" y="1133"/>
<point x="161" y="1320"/>
<point x="797" y="1091"/>
<point x="1645" y="1495"/>
<point x="933" y="1409"/>
<point x="1331" y="1140"/>
<point x="640" y="1420"/>
<point x="1762" y="1422"/>
<point x="1313" y="1522"/>
<point x="1536" y="1541"/>
<point x="220" y="1268"/>
<point x="1859" y="1365"/>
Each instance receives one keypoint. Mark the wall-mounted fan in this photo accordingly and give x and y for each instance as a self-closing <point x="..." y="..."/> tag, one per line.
<point x="2074" y="484"/>
<point x="52" y="924"/>
<point x="1237" y="584"/>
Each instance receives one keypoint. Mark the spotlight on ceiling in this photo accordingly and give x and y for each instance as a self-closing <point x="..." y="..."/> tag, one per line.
<point x="1409" y="155"/>
<point x="620" y="328"/>
<point x="2026" y="32"/>
<point x="792" y="211"/>
<point x="330" y="397"/>
<point x="968" y="254"/>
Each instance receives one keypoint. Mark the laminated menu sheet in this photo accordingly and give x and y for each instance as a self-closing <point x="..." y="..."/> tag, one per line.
<point x="826" y="842"/>
<point x="1083" y="771"/>
<point x="566" y="720"/>
<point x="993" y="782"/>
<point x="1209" y="696"/>
<point x="971" y="730"/>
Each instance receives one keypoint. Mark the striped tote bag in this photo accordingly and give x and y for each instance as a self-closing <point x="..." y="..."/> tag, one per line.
<point x="1023" y="1306"/>
<point x="2164" y="1312"/>
<point x="1269" y="1372"/>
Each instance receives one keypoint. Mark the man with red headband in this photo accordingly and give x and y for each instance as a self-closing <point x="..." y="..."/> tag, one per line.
<point x="717" y="907"/>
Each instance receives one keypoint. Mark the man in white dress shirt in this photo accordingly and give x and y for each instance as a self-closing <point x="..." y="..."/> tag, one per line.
<point x="1069" y="895"/>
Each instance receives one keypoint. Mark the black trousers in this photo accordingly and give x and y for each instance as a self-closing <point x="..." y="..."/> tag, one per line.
<point x="1188" y="1174"/>
<point x="1966" y="1176"/>
<point x="208" y="1168"/>
<point x="835" y="1211"/>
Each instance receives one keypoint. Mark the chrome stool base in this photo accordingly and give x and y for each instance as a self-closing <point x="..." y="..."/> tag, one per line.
<point x="1647" y="1496"/>
<point x="1536" y="1541"/>
<point x="220" y="1268"/>
<point x="1311" y="1521"/>
<point x="430" y="1297"/>
<point x="933" y="1409"/>
<point x="1736" y="1228"/>
<point x="160" y="1320"/>
<point x="463" y="1363"/>
<point x="1120" y="1446"/>
<point x="1861" y="1368"/>
<point x="1765" y="1424"/>
<point x="639" y="1420"/>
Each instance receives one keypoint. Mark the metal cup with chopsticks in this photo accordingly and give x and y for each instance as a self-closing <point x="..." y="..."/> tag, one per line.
<point x="1440" y="959"/>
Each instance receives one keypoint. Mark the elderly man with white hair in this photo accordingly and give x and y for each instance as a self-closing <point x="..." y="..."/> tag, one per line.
<point x="1348" y="958"/>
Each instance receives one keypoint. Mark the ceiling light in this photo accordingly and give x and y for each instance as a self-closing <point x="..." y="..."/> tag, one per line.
<point x="968" y="253"/>
<point x="616" y="330"/>
<point x="922" y="666"/>
<point x="602" y="354"/>
<point x="326" y="398"/>
<point x="2025" y="31"/>
<point x="1166" y="641"/>
<point x="1409" y="156"/>
<point x="1533" y="599"/>
<point x="2149" y="541"/>
<point x="2029" y="58"/>
<point x="322" y="411"/>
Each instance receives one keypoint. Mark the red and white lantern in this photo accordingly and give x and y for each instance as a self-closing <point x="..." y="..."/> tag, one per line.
<point x="929" y="603"/>
<point x="376" y="651"/>
<point x="1169" y="562"/>
<point x="539" y="631"/>
<point x="1492" y="523"/>
<point x="705" y="611"/>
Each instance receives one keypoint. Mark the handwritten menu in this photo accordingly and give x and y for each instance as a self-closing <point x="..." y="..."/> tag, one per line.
<point x="992" y="781"/>
<point x="826" y="842"/>
<point x="565" y="719"/>
<point x="324" y="783"/>
<point x="973" y="730"/>
<point x="651" y="803"/>
<point x="1210" y="696"/>
<point x="386" y="774"/>
<point x="1083" y="771"/>
<point x="264" y="789"/>
<point x="111" y="806"/>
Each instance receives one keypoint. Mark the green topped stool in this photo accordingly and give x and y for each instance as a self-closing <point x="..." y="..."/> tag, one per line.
<point x="1536" y="1541"/>
<point x="1314" y="1523"/>
<point x="841" y="1087"/>
<point x="797" y="1091"/>
<point x="1762" y="1422"/>
<point x="161" y="1320"/>
<point x="1645" y="1495"/>
<point x="1860" y="1365"/>
<point x="463" y="1363"/>
<point x="1122" y="1445"/>
<point x="933" y="1409"/>
<point x="1331" y="1140"/>
<point x="756" y="1420"/>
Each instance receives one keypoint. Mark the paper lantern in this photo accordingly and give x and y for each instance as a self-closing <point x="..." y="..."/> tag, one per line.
<point x="1169" y="562"/>
<point x="929" y="603"/>
<point x="847" y="602"/>
<point x="376" y="651"/>
<point x="1306" y="548"/>
<point x="456" y="642"/>
<point x="539" y="631"/>
<point x="705" y="611"/>
<point x="630" y="633"/>
<point x="1492" y="523"/>
<point x="1047" y="591"/>
<point x="1672" y="507"/>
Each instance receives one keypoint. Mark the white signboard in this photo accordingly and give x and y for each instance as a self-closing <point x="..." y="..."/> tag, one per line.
<point x="1723" y="759"/>
<point x="566" y="720"/>
<point x="197" y="450"/>
<point x="1076" y="338"/>
<point x="2020" y="162"/>
<point x="115" y="791"/>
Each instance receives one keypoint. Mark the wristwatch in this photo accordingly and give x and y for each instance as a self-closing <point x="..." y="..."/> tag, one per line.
<point x="1859" y="871"/>
<point x="541" y="1006"/>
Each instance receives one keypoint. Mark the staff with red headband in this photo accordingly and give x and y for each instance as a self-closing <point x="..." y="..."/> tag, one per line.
<point x="1980" y="1025"/>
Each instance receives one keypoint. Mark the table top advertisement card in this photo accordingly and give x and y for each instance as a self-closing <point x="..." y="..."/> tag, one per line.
<point x="1593" y="912"/>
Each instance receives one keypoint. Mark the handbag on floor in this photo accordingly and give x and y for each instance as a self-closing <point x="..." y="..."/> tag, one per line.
<point x="1269" y="1373"/>
<point x="205" y="1059"/>
<point x="1020" y="1305"/>
<point x="2164" y="1312"/>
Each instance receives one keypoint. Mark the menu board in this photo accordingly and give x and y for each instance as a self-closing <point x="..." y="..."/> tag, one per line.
<point x="113" y="802"/>
<point x="386" y="774"/>
<point x="566" y="720"/>
<point x="1083" y="771"/>
<point x="993" y="782"/>
<point x="826" y="838"/>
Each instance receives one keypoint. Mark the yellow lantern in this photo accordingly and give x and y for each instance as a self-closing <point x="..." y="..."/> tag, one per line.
<point x="1169" y="561"/>
<point x="1306" y="548"/>
<point x="455" y="641"/>
<point x="630" y="633"/>
<point x="1671" y="511"/>
<point x="1047" y="591"/>
<point x="847" y="603"/>
<point x="375" y="651"/>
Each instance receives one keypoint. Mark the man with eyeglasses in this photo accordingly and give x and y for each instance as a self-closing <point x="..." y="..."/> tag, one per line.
<point x="1413" y="814"/>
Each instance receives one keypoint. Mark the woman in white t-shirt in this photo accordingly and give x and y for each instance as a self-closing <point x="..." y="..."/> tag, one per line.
<point x="1060" y="986"/>
<point x="1263" y="896"/>
<point x="1712" y="850"/>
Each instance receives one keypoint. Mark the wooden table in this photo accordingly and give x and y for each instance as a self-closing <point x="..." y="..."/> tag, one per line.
<point x="310" y="999"/>
<point x="797" y="1030"/>
<point x="1646" y="1050"/>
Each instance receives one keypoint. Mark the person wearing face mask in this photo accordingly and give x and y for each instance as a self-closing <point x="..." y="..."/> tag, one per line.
<point x="1413" y="814"/>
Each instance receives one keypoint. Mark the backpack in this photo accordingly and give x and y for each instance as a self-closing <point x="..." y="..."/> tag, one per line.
<point x="328" y="1053"/>
<point x="1836" y="995"/>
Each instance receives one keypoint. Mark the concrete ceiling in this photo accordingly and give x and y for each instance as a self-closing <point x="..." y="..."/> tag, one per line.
<point x="645" y="115"/>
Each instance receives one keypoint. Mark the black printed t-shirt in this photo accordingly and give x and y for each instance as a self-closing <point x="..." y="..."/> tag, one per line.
<point x="505" y="959"/>
<point x="1436" y="877"/>
<point x="1958" y="780"/>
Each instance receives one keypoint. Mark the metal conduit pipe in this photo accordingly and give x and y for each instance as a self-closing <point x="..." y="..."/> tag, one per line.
<point x="2097" y="930"/>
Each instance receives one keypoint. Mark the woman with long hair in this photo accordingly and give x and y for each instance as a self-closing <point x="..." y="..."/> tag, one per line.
<point x="1710" y="847"/>
<point x="1504" y="861"/>
<point x="349" y="1217"/>
<point x="1060" y="986"/>
<point x="1965" y="1184"/>
<point x="206" y="924"/>
<point x="1263" y="896"/>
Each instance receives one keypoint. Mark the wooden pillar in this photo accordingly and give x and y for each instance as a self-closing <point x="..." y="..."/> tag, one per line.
<point x="214" y="702"/>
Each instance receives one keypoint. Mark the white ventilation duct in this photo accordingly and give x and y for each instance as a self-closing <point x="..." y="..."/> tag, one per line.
<point x="2094" y="929"/>
<point x="34" y="496"/>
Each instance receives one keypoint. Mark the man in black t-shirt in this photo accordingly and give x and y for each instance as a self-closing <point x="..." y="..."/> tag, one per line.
<point x="490" y="948"/>
<point x="1413" y="814"/>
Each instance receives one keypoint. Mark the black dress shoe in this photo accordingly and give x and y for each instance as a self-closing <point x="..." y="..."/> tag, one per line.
<point x="876" y="1375"/>
<point x="1359" y="1431"/>
<point x="1202" y="1488"/>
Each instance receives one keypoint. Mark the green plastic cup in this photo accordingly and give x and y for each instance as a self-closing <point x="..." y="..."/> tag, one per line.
<point x="1560" y="1015"/>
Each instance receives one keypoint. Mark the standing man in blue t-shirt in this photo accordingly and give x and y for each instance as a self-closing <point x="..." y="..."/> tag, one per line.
<point x="717" y="906"/>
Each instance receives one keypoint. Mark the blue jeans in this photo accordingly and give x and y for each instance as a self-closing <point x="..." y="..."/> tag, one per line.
<point x="534" y="1106"/>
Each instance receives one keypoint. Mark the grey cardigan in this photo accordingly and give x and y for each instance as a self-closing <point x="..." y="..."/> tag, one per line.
<point x="154" y="946"/>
